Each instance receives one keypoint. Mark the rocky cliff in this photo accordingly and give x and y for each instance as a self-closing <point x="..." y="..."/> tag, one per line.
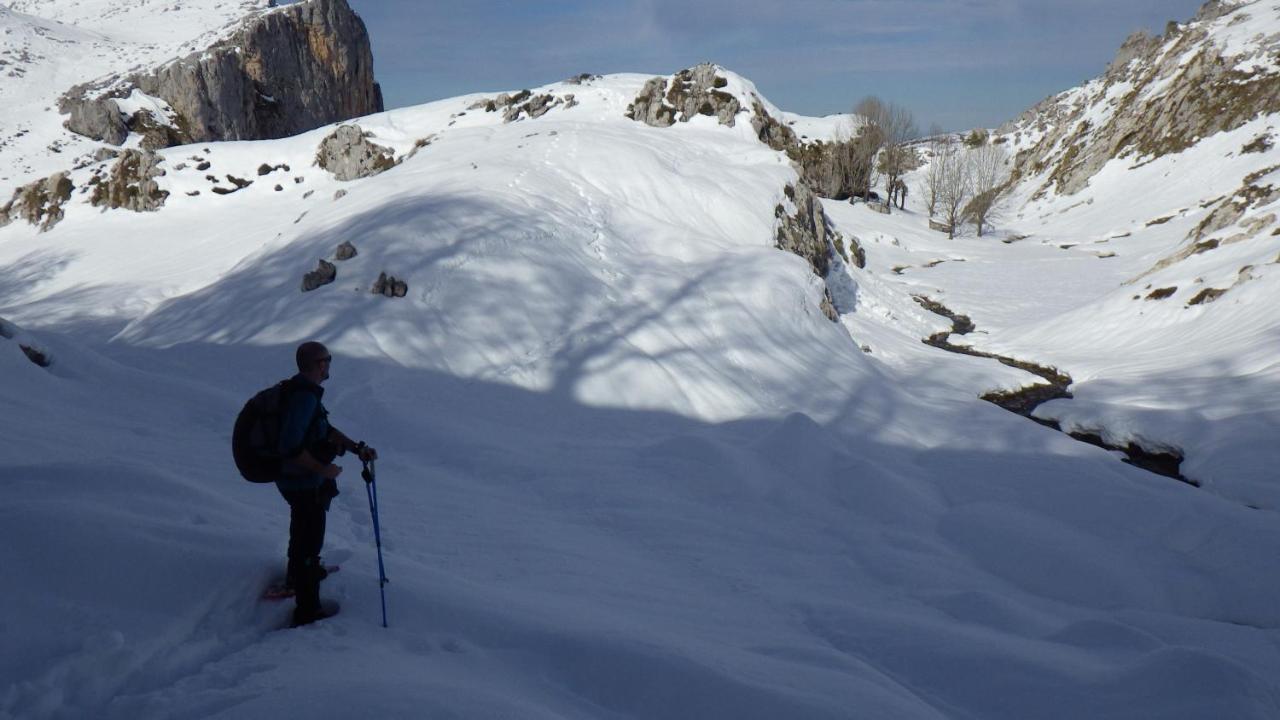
<point x="1159" y="96"/>
<point x="283" y="72"/>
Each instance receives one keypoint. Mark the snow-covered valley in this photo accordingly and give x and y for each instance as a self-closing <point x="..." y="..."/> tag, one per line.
<point x="629" y="468"/>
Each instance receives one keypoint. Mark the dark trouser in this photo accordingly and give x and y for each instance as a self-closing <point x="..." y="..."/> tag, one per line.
<point x="307" y="509"/>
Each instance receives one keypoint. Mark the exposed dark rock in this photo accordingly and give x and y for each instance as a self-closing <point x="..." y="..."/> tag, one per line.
<point x="1262" y="143"/>
<point x="339" y="194"/>
<point x="281" y="73"/>
<point x="806" y="232"/>
<point x="204" y="166"/>
<point x="348" y="154"/>
<point x="1161" y="293"/>
<point x="264" y="169"/>
<point x="583" y="79"/>
<point x="325" y="273"/>
<point x="523" y="104"/>
<point x="7" y="330"/>
<point x="1207" y="295"/>
<point x="345" y="251"/>
<point x="131" y="183"/>
<point x="36" y="355"/>
<point x="40" y="202"/>
<point x="389" y="286"/>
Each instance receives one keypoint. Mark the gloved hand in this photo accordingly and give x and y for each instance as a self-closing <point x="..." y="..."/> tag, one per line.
<point x="366" y="453"/>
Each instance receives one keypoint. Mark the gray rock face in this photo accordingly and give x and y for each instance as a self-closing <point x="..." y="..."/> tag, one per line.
<point x="389" y="286"/>
<point x="650" y="105"/>
<point x="806" y="232"/>
<point x="7" y="330"/>
<point x="769" y="130"/>
<point x="324" y="274"/>
<point x="693" y="91"/>
<point x="130" y="183"/>
<point x="348" y="154"/>
<point x="283" y="72"/>
<point x="39" y="203"/>
<point x="346" y="251"/>
<point x="1159" y="96"/>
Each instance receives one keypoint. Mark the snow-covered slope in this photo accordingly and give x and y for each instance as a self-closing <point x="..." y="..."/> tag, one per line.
<point x="629" y="468"/>
<point x="1152" y="284"/>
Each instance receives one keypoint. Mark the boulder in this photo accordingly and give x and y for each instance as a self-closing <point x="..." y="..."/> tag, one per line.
<point x="324" y="274"/>
<point x="36" y="355"/>
<point x="389" y="286"/>
<point x="348" y="154"/>
<point x="345" y="251"/>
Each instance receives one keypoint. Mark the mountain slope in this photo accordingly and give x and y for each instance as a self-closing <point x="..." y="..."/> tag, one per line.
<point x="630" y="468"/>
<point x="1146" y="277"/>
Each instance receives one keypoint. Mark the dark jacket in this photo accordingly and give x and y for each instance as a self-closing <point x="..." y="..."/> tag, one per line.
<point x="304" y="425"/>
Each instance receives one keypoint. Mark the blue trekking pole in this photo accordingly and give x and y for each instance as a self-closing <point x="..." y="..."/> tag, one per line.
<point x="371" y="489"/>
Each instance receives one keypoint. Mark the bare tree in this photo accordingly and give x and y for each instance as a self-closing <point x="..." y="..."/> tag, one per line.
<point x="855" y="150"/>
<point x="931" y="186"/>
<point x="955" y="185"/>
<point x="895" y="126"/>
<point x="987" y="170"/>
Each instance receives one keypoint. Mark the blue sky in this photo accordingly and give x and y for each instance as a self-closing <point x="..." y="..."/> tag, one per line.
<point x="959" y="63"/>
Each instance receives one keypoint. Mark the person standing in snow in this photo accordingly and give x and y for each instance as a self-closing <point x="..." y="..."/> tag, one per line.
<point x="308" y="477"/>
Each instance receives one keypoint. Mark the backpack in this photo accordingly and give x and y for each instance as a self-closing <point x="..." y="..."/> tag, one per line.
<point x="257" y="433"/>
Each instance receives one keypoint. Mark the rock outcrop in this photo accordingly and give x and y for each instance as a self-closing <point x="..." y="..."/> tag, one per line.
<point x="348" y="154"/>
<point x="284" y="71"/>
<point x="40" y="202"/>
<point x="1159" y="96"/>
<point x="523" y="104"/>
<point x="804" y="230"/>
<point x="130" y="183"/>
<point x="693" y="91"/>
